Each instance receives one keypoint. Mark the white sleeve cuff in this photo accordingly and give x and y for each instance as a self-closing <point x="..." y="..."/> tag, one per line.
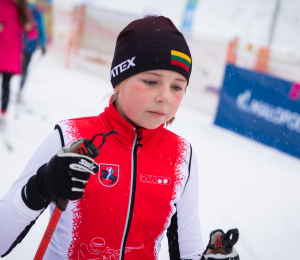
<point x="22" y="209"/>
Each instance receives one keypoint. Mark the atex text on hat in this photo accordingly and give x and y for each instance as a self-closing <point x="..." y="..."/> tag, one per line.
<point x="125" y="65"/>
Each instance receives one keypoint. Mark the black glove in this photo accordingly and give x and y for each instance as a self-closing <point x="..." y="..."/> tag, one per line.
<point x="43" y="50"/>
<point x="64" y="177"/>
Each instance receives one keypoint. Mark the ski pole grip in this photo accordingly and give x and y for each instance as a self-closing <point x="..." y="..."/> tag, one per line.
<point x="62" y="204"/>
<point x="84" y="147"/>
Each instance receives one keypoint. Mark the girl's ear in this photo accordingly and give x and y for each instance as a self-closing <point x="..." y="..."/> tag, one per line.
<point x="117" y="88"/>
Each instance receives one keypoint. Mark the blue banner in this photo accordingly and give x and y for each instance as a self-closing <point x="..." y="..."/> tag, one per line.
<point x="261" y="107"/>
<point x="188" y="16"/>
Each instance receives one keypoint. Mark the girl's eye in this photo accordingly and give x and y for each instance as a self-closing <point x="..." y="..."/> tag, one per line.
<point x="150" y="82"/>
<point x="177" y="88"/>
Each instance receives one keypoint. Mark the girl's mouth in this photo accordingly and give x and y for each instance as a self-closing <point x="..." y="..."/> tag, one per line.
<point x="157" y="114"/>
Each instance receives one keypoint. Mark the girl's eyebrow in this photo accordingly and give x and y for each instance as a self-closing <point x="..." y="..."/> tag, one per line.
<point x="156" y="74"/>
<point x="183" y="80"/>
<point x="153" y="74"/>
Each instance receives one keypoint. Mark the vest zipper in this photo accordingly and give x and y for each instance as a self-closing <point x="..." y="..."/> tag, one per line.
<point x="131" y="196"/>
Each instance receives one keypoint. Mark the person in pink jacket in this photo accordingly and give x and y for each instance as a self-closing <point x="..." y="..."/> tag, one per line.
<point x="12" y="21"/>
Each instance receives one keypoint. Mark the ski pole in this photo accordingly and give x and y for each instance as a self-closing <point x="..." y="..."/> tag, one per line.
<point x="83" y="147"/>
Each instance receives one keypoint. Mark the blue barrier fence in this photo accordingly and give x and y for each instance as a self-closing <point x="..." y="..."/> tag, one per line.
<point x="261" y="107"/>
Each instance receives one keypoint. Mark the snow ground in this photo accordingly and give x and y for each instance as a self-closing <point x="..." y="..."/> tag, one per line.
<point x="243" y="184"/>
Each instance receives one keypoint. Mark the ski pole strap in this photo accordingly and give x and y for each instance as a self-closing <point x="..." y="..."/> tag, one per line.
<point x="231" y="237"/>
<point x="104" y="137"/>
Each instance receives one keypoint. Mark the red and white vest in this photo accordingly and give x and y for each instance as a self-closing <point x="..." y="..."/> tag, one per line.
<point x="144" y="179"/>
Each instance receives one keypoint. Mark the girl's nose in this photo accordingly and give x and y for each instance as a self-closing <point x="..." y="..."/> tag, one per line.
<point x="163" y="95"/>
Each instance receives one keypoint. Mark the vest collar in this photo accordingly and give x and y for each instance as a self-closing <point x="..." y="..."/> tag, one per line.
<point x="127" y="133"/>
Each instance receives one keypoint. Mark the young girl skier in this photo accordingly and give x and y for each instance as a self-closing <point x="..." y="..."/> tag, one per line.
<point x="144" y="183"/>
<point x="37" y="37"/>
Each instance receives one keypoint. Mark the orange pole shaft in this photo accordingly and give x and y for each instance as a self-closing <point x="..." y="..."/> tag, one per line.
<point x="48" y="234"/>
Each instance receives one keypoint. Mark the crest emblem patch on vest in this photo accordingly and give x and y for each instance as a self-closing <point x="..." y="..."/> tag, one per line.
<point x="108" y="174"/>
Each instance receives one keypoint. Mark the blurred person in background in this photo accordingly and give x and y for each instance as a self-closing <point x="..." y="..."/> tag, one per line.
<point x="12" y="21"/>
<point x="31" y="40"/>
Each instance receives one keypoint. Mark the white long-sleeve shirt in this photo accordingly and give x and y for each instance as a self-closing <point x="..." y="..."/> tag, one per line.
<point x="14" y="214"/>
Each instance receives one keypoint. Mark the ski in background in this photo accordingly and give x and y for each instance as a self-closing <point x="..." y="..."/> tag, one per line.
<point x="3" y="135"/>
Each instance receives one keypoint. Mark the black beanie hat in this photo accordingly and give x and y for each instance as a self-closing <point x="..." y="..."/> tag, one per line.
<point x="150" y="43"/>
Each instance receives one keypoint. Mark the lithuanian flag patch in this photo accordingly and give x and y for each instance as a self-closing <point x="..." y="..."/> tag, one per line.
<point x="180" y="59"/>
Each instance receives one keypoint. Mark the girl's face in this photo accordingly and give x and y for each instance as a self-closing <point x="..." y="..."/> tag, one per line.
<point x="151" y="98"/>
